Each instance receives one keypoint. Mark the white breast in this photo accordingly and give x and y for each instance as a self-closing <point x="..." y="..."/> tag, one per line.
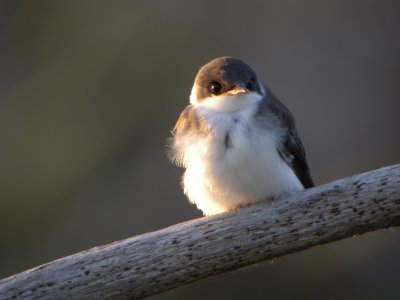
<point x="237" y="163"/>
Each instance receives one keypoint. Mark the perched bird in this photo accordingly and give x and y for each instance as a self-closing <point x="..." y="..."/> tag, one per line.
<point x="237" y="141"/>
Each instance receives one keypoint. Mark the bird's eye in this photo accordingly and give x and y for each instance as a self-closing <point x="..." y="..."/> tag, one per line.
<point x="215" y="87"/>
<point x="250" y="85"/>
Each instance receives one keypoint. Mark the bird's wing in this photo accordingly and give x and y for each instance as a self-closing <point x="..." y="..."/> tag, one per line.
<point x="291" y="150"/>
<point x="189" y="122"/>
<point x="293" y="154"/>
<point x="187" y="125"/>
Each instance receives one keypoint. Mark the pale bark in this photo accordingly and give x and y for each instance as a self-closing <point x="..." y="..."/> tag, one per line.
<point x="158" y="261"/>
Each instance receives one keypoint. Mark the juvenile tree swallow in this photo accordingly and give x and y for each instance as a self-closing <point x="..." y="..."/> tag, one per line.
<point x="236" y="140"/>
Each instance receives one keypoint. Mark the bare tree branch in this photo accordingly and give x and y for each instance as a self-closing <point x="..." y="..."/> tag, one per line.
<point x="158" y="261"/>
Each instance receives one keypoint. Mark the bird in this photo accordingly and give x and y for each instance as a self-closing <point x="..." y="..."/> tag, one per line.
<point x="236" y="141"/>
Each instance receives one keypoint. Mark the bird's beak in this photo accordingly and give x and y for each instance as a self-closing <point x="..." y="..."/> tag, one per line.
<point x="237" y="91"/>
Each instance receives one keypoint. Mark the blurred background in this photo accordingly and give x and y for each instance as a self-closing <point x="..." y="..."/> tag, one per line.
<point x="89" y="91"/>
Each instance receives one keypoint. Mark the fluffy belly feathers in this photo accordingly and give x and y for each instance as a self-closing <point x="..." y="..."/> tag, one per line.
<point x="235" y="165"/>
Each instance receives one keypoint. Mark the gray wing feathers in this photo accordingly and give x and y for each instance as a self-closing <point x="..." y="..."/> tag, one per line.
<point x="292" y="150"/>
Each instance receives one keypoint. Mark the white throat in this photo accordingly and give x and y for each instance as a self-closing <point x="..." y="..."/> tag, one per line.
<point x="226" y="102"/>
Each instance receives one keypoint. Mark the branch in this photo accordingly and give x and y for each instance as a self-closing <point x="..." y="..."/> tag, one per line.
<point x="158" y="261"/>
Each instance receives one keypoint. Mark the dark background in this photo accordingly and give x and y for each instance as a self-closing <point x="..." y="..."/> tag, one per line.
<point x="90" y="89"/>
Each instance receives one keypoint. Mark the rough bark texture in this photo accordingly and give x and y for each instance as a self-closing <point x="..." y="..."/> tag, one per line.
<point x="158" y="261"/>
